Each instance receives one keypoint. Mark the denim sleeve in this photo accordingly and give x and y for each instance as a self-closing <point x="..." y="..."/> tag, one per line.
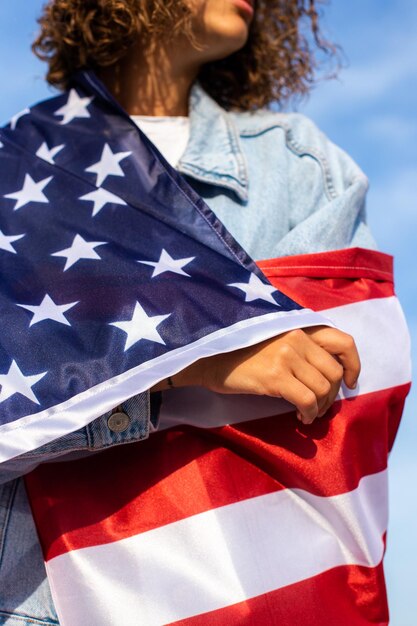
<point x="141" y="413"/>
<point x="327" y="193"/>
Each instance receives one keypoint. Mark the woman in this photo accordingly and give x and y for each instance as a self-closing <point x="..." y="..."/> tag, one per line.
<point x="195" y="76"/>
<point x="151" y="55"/>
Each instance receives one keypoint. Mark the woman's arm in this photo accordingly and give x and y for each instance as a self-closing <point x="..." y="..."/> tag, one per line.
<point x="305" y="367"/>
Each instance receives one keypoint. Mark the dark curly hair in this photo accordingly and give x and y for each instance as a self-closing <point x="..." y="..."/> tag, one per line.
<point x="278" y="61"/>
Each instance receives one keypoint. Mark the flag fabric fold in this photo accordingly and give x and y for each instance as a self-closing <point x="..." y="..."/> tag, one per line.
<point x="235" y="512"/>
<point x="115" y="273"/>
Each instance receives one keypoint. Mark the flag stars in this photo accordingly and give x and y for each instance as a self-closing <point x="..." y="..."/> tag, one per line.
<point x="141" y="326"/>
<point x="101" y="197"/>
<point x="75" y="107"/>
<point x="30" y="192"/>
<point x="79" y="249"/>
<point x="16" y="382"/>
<point x="255" y="289"/>
<point x="108" y="165"/>
<point x="6" y="242"/>
<point x="49" y="154"/>
<point x="14" y="120"/>
<point x="48" y="310"/>
<point x="167" y="264"/>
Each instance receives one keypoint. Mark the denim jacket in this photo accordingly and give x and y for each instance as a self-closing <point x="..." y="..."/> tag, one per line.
<point x="281" y="188"/>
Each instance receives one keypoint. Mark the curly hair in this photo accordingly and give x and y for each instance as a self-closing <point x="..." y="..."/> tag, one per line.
<point x="279" y="60"/>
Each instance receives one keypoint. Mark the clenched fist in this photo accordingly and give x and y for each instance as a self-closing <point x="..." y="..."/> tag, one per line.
<point x="305" y="367"/>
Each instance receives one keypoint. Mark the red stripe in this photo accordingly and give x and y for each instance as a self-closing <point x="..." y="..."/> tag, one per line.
<point x="346" y="263"/>
<point x="330" y="456"/>
<point x="182" y="472"/>
<point x="330" y="279"/>
<point x="343" y="596"/>
<point x="327" y="293"/>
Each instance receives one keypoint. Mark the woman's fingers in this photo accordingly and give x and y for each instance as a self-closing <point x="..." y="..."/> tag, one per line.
<point x="350" y="360"/>
<point x="310" y="376"/>
<point x="301" y="397"/>
<point x="297" y="365"/>
<point x="330" y="368"/>
<point x="341" y="345"/>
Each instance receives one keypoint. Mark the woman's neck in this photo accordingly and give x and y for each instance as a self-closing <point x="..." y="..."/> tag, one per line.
<point x="152" y="81"/>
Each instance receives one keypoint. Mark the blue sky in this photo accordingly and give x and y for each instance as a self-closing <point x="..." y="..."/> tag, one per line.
<point x="371" y="112"/>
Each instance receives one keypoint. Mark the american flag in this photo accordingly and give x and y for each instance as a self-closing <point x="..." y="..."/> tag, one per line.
<point x="115" y="274"/>
<point x="234" y="512"/>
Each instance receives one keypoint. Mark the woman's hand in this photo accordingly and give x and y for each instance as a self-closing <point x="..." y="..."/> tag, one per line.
<point x="305" y="367"/>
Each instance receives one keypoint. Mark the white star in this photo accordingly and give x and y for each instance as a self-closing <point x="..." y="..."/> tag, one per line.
<point x="80" y="249"/>
<point x="1" y="145"/>
<point x="48" y="154"/>
<point x="75" y="107"/>
<point x="30" y="192"/>
<point x="100" y="197"/>
<point x="48" y="310"/>
<point x="255" y="289"/>
<point x="16" y="118"/>
<point x="16" y="382"/>
<point x="141" y="326"/>
<point x="167" y="264"/>
<point x="108" y="165"/>
<point x="6" y="242"/>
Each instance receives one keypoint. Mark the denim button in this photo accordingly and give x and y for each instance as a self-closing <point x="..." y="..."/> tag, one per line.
<point x="118" y="422"/>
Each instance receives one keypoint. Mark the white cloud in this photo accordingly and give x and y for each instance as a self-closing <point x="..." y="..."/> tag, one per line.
<point x="391" y="128"/>
<point x="384" y="78"/>
<point x="396" y="195"/>
<point x="381" y="47"/>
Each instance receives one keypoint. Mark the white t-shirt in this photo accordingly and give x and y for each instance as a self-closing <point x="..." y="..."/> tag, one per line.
<point x="169" y="134"/>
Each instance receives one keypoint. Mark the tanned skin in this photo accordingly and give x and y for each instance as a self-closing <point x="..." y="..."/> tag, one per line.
<point x="306" y="367"/>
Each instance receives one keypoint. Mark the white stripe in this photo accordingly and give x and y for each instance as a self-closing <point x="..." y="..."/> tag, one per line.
<point x="220" y="557"/>
<point x="381" y="334"/>
<point x="33" y="431"/>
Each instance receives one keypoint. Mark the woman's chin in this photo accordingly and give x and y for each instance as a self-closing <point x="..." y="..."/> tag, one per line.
<point x="228" y="37"/>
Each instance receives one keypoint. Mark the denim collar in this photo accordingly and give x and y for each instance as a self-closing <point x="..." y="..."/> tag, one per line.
<point x="214" y="154"/>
